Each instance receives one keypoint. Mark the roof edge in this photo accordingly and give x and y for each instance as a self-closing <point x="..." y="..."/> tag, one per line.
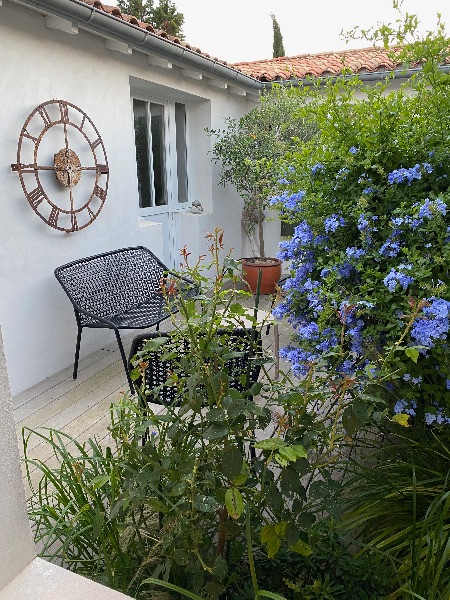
<point x="101" y="23"/>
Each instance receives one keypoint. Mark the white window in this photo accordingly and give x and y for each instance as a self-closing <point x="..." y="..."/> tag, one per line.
<point x="161" y="155"/>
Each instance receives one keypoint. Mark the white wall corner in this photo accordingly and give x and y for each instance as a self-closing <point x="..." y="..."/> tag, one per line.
<point x="16" y="543"/>
<point x="42" y="580"/>
<point x="235" y="90"/>
<point x="191" y="74"/>
<point x="117" y="46"/>
<point x="60" y="24"/>
<point x="218" y="83"/>
<point x="158" y="62"/>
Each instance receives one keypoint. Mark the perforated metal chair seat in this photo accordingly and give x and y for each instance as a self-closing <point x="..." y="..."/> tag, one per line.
<point x="142" y="316"/>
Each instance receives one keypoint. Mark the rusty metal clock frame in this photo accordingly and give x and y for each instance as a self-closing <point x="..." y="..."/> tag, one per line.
<point x="66" y="165"/>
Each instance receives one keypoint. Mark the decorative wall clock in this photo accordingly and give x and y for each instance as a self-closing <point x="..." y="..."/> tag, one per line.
<point x="62" y="165"/>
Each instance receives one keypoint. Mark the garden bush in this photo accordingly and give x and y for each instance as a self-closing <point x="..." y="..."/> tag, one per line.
<point x="370" y="253"/>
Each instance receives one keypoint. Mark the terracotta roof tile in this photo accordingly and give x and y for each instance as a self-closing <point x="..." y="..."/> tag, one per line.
<point x="365" y="60"/>
<point x="115" y="12"/>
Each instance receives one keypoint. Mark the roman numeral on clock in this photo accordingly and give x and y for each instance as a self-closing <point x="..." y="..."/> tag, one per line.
<point x="100" y="192"/>
<point x="36" y="196"/>
<point x="73" y="219"/>
<point x="54" y="216"/>
<point x="45" y="116"/>
<point x="64" y="110"/>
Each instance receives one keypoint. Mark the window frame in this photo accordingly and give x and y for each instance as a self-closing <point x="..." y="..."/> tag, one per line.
<point x="170" y="157"/>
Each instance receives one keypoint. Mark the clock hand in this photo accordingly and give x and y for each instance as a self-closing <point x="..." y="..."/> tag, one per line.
<point x="31" y="168"/>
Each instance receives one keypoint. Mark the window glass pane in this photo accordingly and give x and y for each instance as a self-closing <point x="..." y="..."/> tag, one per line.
<point x="157" y="128"/>
<point x="142" y="154"/>
<point x="180" y="125"/>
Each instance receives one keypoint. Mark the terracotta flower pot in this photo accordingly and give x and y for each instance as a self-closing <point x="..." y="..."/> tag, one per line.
<point x="271" y="273"/>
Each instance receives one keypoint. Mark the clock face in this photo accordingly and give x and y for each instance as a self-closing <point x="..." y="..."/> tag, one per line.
<point x="62" y="165"/>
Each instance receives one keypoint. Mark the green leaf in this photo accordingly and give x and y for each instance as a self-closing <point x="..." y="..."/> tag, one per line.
<point x="99" y="481"/>
<point x="215" y="415"/>
<point x="206" y="504"/>
<point x="231" y="462"/>
<point x="302" y="548"/>
<point x="135" y="374"/>
<point x="360" y="410"/>
<point x="292" y="453"/>
<point x="402" y="419"/>
<point x="220" y="568"/>
<point x="272" y="595"/>
<point x="270" y="444"/>
<point x="350" y="421"/>
<point x="171" y="586"/>
<point x="234" y="502"/>
<point x="272" y="535"/>
<point x="283" y="462"/>
<point x="412" y="353"/>
<point x="153" y="345"/>
<point x="242" y="477"/>
<point x="215" y="431"/>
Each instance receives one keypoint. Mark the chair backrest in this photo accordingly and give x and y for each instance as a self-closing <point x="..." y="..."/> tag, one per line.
<point x="111" y="283"/>
<point x="242" y="368"/>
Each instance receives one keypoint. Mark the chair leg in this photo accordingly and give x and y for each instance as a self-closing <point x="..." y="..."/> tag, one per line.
<point x="77" y="352"/>
<point x="124" y="360"/>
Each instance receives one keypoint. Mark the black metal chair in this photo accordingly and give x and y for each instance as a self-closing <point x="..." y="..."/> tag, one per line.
<point x="242" y="366"/>
<point x="121" y="289"/>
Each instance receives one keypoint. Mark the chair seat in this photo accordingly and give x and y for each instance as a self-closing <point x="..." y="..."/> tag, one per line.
<point x="145" y="315"/>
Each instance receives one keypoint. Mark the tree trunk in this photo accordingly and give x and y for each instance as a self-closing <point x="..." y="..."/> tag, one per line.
<point x="262" y="252"/>
<point x="253" y="223"/>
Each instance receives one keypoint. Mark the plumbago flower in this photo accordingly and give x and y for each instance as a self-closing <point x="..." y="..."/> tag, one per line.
<point x="370" y="253"/>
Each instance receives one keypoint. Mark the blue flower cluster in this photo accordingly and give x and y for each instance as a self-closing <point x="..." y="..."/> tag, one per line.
<point x="354" y="252"/>
<point x="288" y="201"/>
<point x="404" y="407"/>
<point x="403" y="175"/>
<point x="398" y="277"/>
<point x="390" y="248"/>
<point x="333" y="222"/>
<point x="317" y="168"/>
<point x="429" y="207"/>
<point x="437" y="416"/>
<point x="433" y="325"/>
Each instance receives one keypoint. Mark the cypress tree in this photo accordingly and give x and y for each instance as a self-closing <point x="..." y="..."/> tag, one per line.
<point x="278" y="48"/>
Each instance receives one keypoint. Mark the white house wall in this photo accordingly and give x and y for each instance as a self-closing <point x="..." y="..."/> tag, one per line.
<point x="40" y="64"/>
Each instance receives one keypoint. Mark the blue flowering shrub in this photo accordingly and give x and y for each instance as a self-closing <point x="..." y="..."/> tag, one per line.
<point x="369" y="290"/>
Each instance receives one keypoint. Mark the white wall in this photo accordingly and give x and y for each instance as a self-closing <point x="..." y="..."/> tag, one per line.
<point x="16" y="545"/>
<point x="39" y="64"/>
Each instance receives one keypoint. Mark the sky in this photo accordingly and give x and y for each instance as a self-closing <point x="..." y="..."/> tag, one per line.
<point x="241" y="30"/>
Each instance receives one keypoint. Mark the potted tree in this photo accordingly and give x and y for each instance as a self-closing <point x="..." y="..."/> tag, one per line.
<point x="248" y="151"/>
